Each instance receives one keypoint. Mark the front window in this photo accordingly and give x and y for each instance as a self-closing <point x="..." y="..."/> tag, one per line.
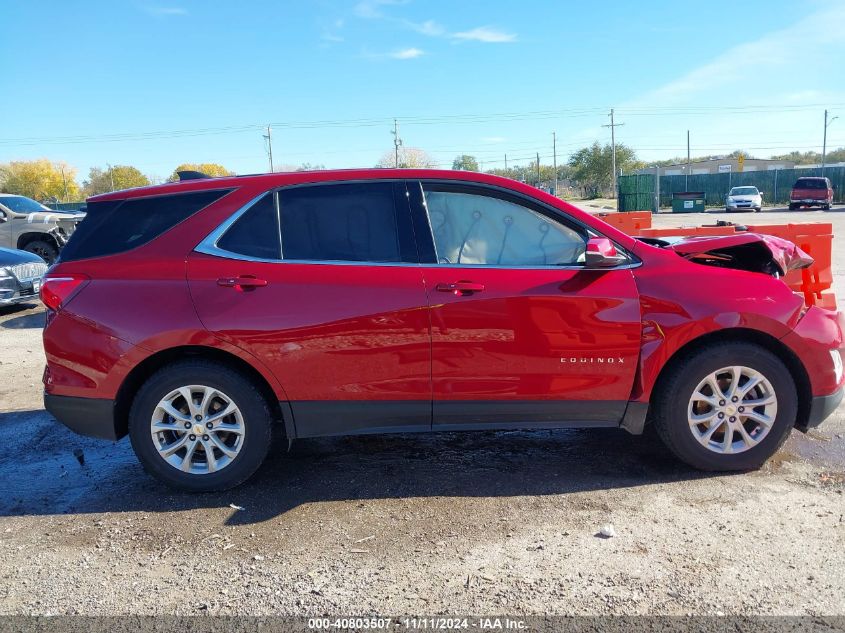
<point x="744" y="191"/>
<point x="474" y="229"/>
<point x="22" y="204"/>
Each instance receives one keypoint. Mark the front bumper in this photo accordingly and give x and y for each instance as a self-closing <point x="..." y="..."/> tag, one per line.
<point x="822" y="407"/>
<point x="93" y="417"/>
<point x="25" y="292"/>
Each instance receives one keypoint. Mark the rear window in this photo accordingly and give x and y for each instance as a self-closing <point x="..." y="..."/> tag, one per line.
<point x="121" y="225"/>
<point x="811" y="183"/>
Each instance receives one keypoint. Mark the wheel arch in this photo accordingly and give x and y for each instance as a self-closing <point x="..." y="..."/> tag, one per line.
<point x="147" y="367"/>
<point x="746" y="335"/>
<point x="35" y="236"/>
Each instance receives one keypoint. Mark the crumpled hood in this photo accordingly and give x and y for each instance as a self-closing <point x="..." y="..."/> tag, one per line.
<point x="746" y="251"/>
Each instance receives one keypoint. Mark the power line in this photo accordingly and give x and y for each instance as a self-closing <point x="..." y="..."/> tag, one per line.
<point x="469" y="118"/>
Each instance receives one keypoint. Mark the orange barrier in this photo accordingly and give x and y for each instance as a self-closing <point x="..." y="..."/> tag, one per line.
<point x="815" y="239"/>
<point x="630" y="222"/>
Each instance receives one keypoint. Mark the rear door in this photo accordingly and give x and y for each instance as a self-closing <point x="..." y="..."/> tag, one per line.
<point x="521" y="334"/>
<point x="322" y="284"/>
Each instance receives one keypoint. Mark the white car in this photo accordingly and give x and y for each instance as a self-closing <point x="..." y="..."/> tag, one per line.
<point x="744" y="199"/>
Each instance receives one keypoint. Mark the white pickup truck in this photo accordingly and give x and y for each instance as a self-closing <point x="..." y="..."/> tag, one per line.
<point x="30" y="226"/>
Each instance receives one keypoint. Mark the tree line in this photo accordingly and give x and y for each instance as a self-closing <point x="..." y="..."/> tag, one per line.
<point x="587" y="172"/>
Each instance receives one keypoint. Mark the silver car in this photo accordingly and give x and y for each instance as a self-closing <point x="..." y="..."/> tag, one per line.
<point x="744" y="199"/>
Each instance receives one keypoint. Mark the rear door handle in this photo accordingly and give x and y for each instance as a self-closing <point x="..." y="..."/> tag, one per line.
<point x="460" y="288"/>
<point x="244" y="282"/>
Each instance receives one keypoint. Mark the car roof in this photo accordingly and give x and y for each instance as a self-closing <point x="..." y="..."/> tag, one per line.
<point x="281" y="179"/>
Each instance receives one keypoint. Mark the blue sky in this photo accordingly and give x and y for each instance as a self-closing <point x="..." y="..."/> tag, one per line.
<point x="156" y="83"/>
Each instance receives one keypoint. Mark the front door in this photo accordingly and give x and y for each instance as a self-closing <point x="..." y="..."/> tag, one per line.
<point x="322" y="284"/>
<point x="522" y="335"/>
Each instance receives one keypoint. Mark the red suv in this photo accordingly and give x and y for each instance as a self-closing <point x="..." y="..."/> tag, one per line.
<point x="811" y="192"/>
<point x="198" y="317"/>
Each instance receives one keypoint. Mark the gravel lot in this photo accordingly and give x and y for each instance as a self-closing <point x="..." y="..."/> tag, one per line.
<point x="492" y="523"/>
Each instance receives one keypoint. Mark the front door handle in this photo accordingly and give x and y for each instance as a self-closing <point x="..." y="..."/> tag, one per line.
<point x="244" y="282"/>
<point x="460" y="288"/>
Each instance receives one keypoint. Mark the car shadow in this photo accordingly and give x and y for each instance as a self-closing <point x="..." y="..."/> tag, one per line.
<point x="31" y="320"/>
<point x="58" y="472"/>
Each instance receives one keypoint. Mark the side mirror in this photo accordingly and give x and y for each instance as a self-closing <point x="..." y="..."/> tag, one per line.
<point x="601" y="253"/>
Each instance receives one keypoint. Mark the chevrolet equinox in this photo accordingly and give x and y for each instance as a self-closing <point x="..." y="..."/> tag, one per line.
<point x="201" y="316"/>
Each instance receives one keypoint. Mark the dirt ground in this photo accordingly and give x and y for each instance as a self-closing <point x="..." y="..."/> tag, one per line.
<point x="492" y="523"/>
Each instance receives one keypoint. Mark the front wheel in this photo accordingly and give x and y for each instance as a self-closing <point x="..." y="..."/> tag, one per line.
<point x="729" y="406"/>
<point x="792" y="207"/>
<point x="45" y="250"/>
<point x="200" y="426"/>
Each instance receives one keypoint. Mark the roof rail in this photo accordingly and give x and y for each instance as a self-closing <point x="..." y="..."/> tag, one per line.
<point x="190" y="174"/>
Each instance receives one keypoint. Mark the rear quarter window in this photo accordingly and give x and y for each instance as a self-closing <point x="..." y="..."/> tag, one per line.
<point x="118" y="226"/>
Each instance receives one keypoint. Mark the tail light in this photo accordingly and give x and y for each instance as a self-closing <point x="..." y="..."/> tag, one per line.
<point x="56" y="291"/>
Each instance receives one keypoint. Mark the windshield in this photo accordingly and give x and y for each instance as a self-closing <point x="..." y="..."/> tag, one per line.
<point x="743" y="191"/>
<point x="20" y="204"/>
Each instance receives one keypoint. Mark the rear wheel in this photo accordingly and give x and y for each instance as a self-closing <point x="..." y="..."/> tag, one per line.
<point x="200" y="426"/>
<point x="45" y="250"/>
<point x="826" y="207"/>
<point x="792" y="207"/>
<point x="729" y="406"/>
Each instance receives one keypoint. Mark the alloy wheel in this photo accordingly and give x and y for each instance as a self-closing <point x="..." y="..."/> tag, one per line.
<point x="197" y="429"/>
<point x="732" y="409"/>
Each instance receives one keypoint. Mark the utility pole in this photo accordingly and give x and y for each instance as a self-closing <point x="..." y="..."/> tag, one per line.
<point x="824" y="142"/>
<point x="686" y="180"/>
<point x="657" y="188"/>
<point x="111" y="175"/>
<point x="613" y="125"/>
<point x="64" y="185"/>
<point x="506" y="162"/>
<point x="554" y="157"/>
<point x="269" y="138"/>
<point x="538" y="170"/>
<point x="397" y="143"/>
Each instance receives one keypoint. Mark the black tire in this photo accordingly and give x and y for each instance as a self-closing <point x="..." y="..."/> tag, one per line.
<point x="792" y="207"/>
<point x="826" y="207"/>
<point x="673" y="394"/>
<point x="257" y="421"/>
<point x="45" y="250"/>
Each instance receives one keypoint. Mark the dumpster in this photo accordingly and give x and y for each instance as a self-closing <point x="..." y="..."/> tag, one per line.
<point x="688" y="202"/>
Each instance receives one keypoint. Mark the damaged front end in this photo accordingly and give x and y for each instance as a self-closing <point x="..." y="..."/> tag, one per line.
<point x="752" y="252"/>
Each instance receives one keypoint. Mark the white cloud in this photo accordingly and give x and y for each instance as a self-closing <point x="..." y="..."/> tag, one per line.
<point x="487" y="34"/>
<point x="429" y="27"/>
<point x="782" y="108"/>
<point x="372" y="8"/>
<point x="166" y="11"/>
<point x="407" y="53"/>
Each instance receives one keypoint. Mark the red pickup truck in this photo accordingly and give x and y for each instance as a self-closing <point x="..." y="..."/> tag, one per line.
<point x="811" y="192"/>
